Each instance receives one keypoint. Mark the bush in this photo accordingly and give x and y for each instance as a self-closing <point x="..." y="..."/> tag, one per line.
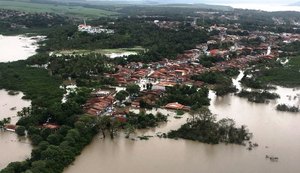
<point x="20" y="130"/>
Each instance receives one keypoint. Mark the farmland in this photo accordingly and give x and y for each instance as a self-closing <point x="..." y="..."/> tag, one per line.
<point x="76" y="11"/>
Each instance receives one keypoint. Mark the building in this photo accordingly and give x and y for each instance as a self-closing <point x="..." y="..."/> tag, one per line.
<point x="93" y="30"/>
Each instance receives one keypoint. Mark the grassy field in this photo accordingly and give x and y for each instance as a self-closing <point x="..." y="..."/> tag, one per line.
<point x="288" y="75"/>
<point x="77" y="11"/>
<point x="101" y="51"/>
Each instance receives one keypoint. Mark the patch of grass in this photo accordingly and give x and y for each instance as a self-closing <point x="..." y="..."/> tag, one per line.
<point x="52" y="8"/>
<point x="287" y="75"/>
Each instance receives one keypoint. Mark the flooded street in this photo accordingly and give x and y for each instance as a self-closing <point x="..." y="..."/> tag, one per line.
<point x="275" y="132"/>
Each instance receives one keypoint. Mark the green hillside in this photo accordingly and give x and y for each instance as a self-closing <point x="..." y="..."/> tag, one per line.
<point x="77" y="11"/>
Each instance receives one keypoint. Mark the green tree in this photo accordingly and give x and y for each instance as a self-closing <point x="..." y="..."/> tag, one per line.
<point x="121" y="95"/>
<point x="133" y="89"/>
<point x="20" y="130"/>
<point x="39" y="166"/>
<point x="36" y="139"/>
<point x="102" y="124"/>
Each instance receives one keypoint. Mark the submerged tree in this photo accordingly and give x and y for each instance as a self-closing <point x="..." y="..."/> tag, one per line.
<point x="203" y="127"/>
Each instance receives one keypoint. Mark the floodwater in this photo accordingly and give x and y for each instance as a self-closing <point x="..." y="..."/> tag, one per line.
<point x="277" y="134"/>
<point x="10" y="105"/>
<point x="12" y="148"/>
<point x="13" y="48"/>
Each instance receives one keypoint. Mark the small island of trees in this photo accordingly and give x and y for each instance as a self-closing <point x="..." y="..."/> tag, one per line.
<point x="204" y="127"/>
<point x="286" y="108"/>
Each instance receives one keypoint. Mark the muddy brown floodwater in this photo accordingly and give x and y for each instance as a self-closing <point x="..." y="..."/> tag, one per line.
<point x="12" y="148"/>
<point x="277" y="134"/>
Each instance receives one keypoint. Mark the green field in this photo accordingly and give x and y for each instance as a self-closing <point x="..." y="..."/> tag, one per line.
<point x="77" y="11"/>
<point x="287" y="75"/>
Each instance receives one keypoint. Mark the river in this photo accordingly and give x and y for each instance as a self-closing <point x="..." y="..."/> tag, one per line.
<point x="275" y="132"/>
<point x="13" y="148"/>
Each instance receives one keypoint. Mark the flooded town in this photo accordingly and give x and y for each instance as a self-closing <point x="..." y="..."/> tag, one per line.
<point x="135" y="87"/>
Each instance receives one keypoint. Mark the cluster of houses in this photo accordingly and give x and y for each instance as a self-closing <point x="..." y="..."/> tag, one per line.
<point x="94" y="30"/>
<point x="100" y="102"/>
<point x="179" y="70"/>
<point x="167" y="24"/>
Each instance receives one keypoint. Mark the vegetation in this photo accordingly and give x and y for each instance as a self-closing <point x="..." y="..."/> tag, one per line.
<point x="286" y="108"/>
<point x="208" y="61"/>
<point x="160" y="43"/>
<point x="111" y="125"/>
<point x="55" y="150"/>
<point x="282" y="74"/>
<point x="121" y="95"/>
<point x="79" y="66"/>
<point x="253" y="83"/>
<point x="20" y="130"/>
<point x="36" y="84"/>
<point x="16" y="22"/>
<point x="86" y="70"/>
<point x="186" y="95"/>
<point x="3" y="122"/>
<point x="292" y="48"/>
<point x="78" y="11"/>
<point x="222" y="82"/>
<point x="258" y="97"/>
<point x="274" y="72"/>
<point x="203" y="127"/>
<point x="133" y="89"/>
<point x="143" y="120"/>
